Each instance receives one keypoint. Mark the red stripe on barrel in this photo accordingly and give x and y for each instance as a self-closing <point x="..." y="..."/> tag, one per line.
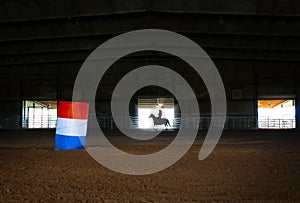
<point x="73" y="110"/>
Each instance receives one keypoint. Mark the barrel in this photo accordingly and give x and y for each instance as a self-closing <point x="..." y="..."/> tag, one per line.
<point x="71" y="125"/>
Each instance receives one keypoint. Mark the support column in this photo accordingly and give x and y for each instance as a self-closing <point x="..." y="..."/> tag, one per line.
<point x="297" y="103"/>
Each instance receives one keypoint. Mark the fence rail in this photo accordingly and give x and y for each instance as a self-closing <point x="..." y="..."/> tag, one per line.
<point x="108" y="123"/>
<point x="39" y="122"/>
<point x="277" y="123"/>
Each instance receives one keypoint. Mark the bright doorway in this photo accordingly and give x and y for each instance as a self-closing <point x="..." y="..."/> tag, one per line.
<point x="159" y="107"/>
<point x="276" y="114"/>
<point x="39" y="114"/>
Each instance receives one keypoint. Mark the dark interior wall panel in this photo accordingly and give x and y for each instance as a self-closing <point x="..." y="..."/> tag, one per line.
<point x="45" y="58"/>
<point x="277" y="7"/>
<point x="58" y="28"/>
<point x="103" y="107"/>
<point x="224" y="42"/>
<point x="245" y="7"/>
<point x="172" y="5"/>
<point x="81" y="55"/>
<point x="190" y="23"/>
<point x="275" y="89"/>
<point x="52" y="45"/>
<point x="10" y="83"/>
<point x="39" y="90"/>
<point x="275" y="80"/>
<point x="35" y="9"/>
<point x="235" y="72"/>
<point x="248" y="91"/>
<point x="204" y="107"/>
<point x="10" y="108"/>
<point x="39" y="83"/>
<point x="237" y="75"/>
<point x="246" y="42"/>
<point x="242" y="25"/>
<point x="234" y="108"/>
<point x="11" y="91"/>
<point x="67" y="79"/>
<point x="66" y="92"/>
<point x="234" y="6"/>
<point x="10" y="79"/>
<point x="71" y="68"/>
<point x="241" y="107"/>
<point x="10" y="112"/>
<point x="30" y="10"/>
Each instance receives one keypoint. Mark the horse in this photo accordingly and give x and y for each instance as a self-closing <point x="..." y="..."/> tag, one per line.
<point x="159" y="121"/>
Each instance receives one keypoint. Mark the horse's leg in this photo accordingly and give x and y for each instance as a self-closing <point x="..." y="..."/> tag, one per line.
<point x="168" y="123"/>
<point x="154" y="128"/>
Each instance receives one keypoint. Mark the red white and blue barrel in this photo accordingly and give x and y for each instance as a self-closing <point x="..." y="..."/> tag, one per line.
<point x="71" y="125"/>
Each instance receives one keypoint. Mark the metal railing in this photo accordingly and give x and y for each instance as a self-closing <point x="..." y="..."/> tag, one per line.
<point x="276" y="123"/>
<point x="232" y="122"/>
<point x="39" y="122"/>
<point x="107" y="122"/>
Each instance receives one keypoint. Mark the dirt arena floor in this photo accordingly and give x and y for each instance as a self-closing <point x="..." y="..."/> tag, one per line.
<point x="246" y="166"/>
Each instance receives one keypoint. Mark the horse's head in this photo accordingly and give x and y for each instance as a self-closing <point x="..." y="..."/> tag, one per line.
<point x="151" y="116"/>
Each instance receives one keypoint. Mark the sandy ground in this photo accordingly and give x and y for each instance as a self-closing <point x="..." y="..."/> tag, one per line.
<point x="253" y="166"/>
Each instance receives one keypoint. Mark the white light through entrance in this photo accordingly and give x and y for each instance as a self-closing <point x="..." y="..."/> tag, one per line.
<point x="276" y="114"/>
<point x="147" y="123"/>
<point x="39" y="114"/>
<point x="160" y="108"/>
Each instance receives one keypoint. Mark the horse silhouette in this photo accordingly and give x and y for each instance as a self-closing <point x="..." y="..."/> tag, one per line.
<point x="159" y="121"/>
